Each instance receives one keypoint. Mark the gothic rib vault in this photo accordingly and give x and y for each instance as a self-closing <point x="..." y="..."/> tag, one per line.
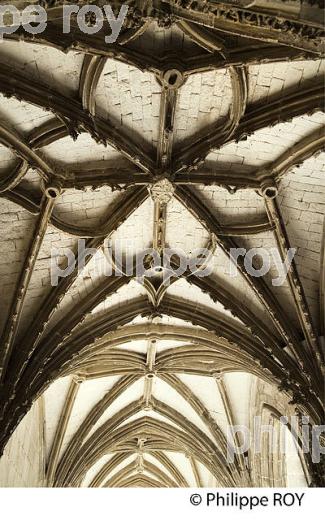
<point x="195" y="129"/>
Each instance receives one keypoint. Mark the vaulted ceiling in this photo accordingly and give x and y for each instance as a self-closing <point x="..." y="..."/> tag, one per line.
<point x="201" y="127"/>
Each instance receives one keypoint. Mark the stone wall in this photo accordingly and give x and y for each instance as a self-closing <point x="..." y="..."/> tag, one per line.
<point x="22" y="462"/>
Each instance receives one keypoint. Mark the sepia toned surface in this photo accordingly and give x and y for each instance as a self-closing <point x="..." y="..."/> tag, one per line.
<point x="194" y="129"/>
